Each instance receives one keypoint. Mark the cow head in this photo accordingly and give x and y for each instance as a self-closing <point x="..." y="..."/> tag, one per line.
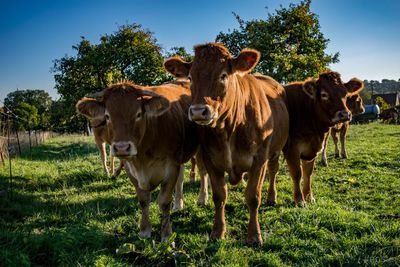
<point x="126" y="109"/>
<point x="329" y="94"/>
<point x="212" y="74"/>
<point x="355" y="104"/>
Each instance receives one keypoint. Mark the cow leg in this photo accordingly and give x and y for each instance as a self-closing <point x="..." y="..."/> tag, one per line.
<point x="112" y="163"/>
<point x="335" y="141"/>
<point x="117" y="171"/>
<point x="193" y="169"/>
<point x="103" y="156"/>
<point x="178" y="203"/>
<point x="203" y="194"/>
<point x="343" y="133"/>
<point x="253" y="200"/>
<point x="273" y="167"/>
<point x="293" y="161"/>
<point x="308" y="167"/>
<point x="324" y="159"/>
<point x="220" y="193"/>
<point x="144" y="201"/>
<point x="164" y="203"/>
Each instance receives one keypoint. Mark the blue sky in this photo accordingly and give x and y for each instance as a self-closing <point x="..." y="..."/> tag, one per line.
<point x="34" y="33"/>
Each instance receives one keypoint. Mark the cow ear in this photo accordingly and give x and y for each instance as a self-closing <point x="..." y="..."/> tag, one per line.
<point x="310" y="88"/>
<point x="177" y="67"/>
<point x="246" y="60"/>
<point x="354" y="86"/>
<point x="155" y="105"/>
<point x="90" y="108"/>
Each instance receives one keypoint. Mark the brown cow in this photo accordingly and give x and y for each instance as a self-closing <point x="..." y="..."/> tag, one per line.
<point x="314" y="106"/>
<point x="355" y="105"/>
<point x="154" y="137"/>
<point x="245" y="124"/>
<point x="197" y="163"/>
<point x="102" y="136"/>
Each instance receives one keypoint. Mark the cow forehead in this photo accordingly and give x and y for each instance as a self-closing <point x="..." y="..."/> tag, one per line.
<point x="332" y="86"/>
<point x="210" y="58"/>
<point x="122" y="101"/>
<point x="207" y="67"/>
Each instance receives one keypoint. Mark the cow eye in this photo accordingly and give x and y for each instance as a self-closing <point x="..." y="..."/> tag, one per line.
<point x="138" y="114"/>
<point x="107" y="117"/>
<point x="189" y="78"/>
<point x="324" y="95"/>
<point x="224" y="76"/>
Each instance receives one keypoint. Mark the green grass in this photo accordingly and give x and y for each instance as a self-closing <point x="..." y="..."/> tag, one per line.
<point x="62" y="210"/>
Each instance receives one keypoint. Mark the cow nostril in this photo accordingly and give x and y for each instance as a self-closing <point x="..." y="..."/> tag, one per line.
<point x="190" y="112"/>
<point x="205" y="112"/>
<point x="128" y="147"/>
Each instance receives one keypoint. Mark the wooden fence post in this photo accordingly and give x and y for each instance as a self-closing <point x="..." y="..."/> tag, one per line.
<point x="36" y="137"/>
<point x="19" y="145"/>
<point x="30" y="143"/>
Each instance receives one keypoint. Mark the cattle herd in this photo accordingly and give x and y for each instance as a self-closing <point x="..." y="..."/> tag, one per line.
<point x="231" y="121"/>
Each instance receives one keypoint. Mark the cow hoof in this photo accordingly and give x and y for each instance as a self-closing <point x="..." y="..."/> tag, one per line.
<point x="344" y="156"/>
<point x="337" y="155"/>
<point x="165" y="239"/>
<point x="310" y="199"/>
<point x="254" y="241"/>
<point x="271" y="203"/>
<point x="217" y="235"/>
<point x="324" y="163"/>
<point x="178" y="205"/>
<point x="145" y="233"/>
<point x="300" y="204"/>
<point x="202" y="201"/>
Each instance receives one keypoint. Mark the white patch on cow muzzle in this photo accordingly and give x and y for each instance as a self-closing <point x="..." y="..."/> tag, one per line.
<point x="123" y="149"/>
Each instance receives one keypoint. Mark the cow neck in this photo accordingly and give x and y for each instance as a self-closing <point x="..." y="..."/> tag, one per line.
<point x="156" y="132"/>
<point x="302" y="114"/>
<point x="234" y="105"/>
<point x="320" y="126"/>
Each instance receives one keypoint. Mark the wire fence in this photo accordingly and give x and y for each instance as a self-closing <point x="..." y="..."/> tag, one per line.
<point x="22" y="142"/>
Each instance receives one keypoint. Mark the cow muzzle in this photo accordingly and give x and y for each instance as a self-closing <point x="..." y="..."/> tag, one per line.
<point x="201" y="114"/>
<point x="342" y="116"/>
<point x="123" y="149"/>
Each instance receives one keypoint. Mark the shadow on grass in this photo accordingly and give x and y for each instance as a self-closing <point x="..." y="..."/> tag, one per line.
<point x="46" y="152"/>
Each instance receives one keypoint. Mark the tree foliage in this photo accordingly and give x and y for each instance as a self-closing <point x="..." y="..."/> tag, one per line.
<point x="382" y="103"/>
<point x="39" y="99"/>
<point x="181" y="52"/>
<point x="290" y="41"/>
<point x="130" y="53"/>
<point x="28" y="115"/>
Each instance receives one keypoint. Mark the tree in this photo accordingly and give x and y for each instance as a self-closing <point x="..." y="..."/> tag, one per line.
<point x="291" y="44"/>
<point x="28" y="117"/>
<point x="39" y="99"/>
<point x="382" y="103"/>
<point x="181" y="52"/>
<point x="130" y="53"/>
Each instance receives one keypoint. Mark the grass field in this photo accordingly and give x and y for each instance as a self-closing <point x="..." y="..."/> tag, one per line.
<point x="61" y="210"/>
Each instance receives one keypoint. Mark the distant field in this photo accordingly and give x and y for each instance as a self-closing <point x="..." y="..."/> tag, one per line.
<point x="63" y="211"/>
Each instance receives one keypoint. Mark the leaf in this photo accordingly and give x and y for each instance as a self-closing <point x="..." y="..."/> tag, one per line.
<point x="125" y="249"/>
<point x="353" y="182"/>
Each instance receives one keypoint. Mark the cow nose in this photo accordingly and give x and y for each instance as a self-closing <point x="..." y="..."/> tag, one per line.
<point x="122" y="148"/>
<point x="199" y="112"/>
<point x="344" y="115"/>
